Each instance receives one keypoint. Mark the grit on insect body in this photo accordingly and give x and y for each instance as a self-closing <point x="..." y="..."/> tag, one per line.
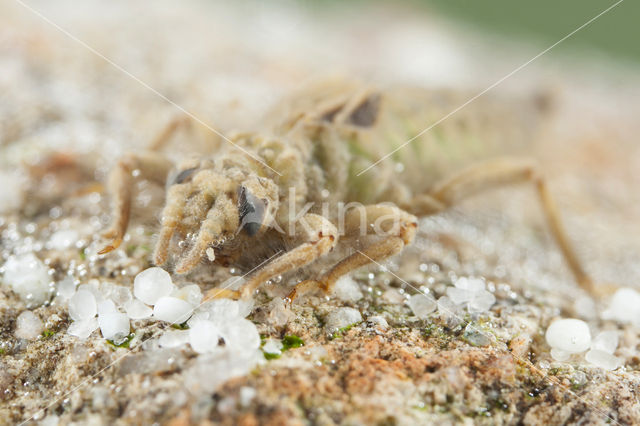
<point x="263" y="194"/>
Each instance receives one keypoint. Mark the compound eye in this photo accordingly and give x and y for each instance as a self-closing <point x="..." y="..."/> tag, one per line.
<point x="252" y="211"/>
<point x="183" y="175"/>
<point x="366" y="113"/>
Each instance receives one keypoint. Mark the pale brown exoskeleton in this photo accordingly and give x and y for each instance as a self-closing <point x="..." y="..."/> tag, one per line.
<point x="257" y="195"/>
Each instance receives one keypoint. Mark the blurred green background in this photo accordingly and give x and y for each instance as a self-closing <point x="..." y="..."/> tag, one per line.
<point x="616" y="33"/>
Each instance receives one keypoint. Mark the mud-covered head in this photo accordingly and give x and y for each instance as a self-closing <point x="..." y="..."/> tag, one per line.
<point x="257" y="203"/>
<point x="208" y="207"/>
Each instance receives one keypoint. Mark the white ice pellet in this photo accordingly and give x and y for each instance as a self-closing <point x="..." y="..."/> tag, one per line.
<point x="152" y="284"/>
<point x="83" y="328"/>
<point x="174" y="338"/>
<point x="198" y="315"/>
<point x="422" y="305"/>
<point x="245" y="306"/>
<point x="106" y="307"/>
<point x="114" y="326"/>
<point x="28" y="277"/>
<point x="63" y="239"/>
<point x="190" y="294"/>
<point x="28" y="326"/>
<point x="135" y="309"/>
<point x="603" y="359"/>
<point x="204" y="336"/>
<point x="172" y="309"/>
<point x="624" y="307"/>
<point x="220" y="310"/>
<point x="82" y="305"/>
<point x="240" y="334"/>
<point x="341" y="318"/>
<point x="272" y="346"/>
<point x="347" y="289"/>
<point x="66" y="288"/>
<point x="569" y="335"/>
<point x="606" y="341"/>
<point x="93" y="286"/>
<point x="120" y="295"/>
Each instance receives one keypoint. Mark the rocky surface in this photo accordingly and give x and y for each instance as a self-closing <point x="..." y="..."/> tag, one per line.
<point x="373" y="352"/>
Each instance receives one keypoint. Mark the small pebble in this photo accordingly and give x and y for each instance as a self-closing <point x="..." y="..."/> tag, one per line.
<point x="476" y="336"/>
<point x="449" y="310"/>
<point x="472" y="292"/>
<point x="422" y="305"/>
<point x="459" y="296"/>
<point x="481" y="302"/>
<point x="470" y="284"/>
<point x="347" y="289"/>
<point x="279" y="313"/>
<point x="341" y="318"/>
<point x="378" y="322"/>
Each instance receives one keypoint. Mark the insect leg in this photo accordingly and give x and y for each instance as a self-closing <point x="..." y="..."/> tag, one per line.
<point x="221" y="220"/>
<point x="319" y="238"/>
<point x="200" y="192"/>
<point x="177" y="196"/>
<point x="505" y="171"/>
<point x="398" y="226"/>
<point x="149" y="165"/>
<point x="169" y="130"/>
